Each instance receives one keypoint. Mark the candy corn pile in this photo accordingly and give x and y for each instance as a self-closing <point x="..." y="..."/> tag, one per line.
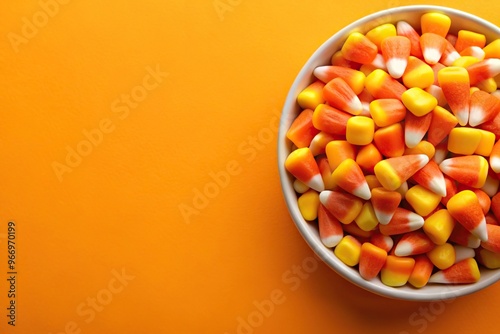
<point x="395" y="153"/>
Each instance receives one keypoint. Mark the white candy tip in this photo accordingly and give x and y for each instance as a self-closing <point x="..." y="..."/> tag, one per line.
<point x="462" y="117"/>
<point x="480" y="231"/>
<point x="323" y="196"/>
<point x="495" y="164"/>
<point x="396" y="67"/>
<point x="438" y="278"/>
<point x="331" y="241"/>
<point x="403" y="249"/>
<point x="363" y="191"/>
<point x="383" y="218"/>
<point x="438" y="186"/>
<point x="316" y="183"/>
<point x="432" y="55"/>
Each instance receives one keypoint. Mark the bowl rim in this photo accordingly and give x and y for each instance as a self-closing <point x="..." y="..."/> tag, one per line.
<point x="283" y="148"/>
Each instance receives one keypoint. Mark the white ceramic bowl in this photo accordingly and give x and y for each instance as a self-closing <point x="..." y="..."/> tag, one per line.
<point x="410" y="14"/>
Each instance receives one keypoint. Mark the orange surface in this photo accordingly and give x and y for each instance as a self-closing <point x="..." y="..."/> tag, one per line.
<point x="119" y="116"/>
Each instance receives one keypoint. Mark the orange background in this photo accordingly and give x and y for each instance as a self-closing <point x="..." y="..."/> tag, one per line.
<point x="120" y="240"/>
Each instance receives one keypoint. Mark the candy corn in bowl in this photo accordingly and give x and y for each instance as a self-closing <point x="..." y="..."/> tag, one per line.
<point x="389" y="156"/>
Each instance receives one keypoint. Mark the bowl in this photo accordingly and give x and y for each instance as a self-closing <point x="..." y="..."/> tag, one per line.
<point x="309" y="231"/>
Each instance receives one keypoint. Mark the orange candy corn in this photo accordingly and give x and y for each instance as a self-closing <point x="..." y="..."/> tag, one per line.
<point x="468" y="38"/>
<point x="382" y="86"/>
<point x="403" y="221"/>
<point x="343" y="206"/>
<point x="463" y="272"/>
<point x="442" y="122"/>
<point x="396" y="50"/>
<point x="359" y="48"/>
<point x="436" y="23"/>
<point x="485" y="69"/>
<point x="431" y="177"/>
<point x="386" y="112"/>
<point x="368" y="156"/>
<point x="385" y="203"/>
<point x="413" y="243"/>
<point x="393" y="172"/>
<point x="454" y="82"/>
<point x="483" y="107"/>
<point x="339" y="150"/>
<point x="390" y="140"/>
<point x="330" y="230"/>
<point x="465" y="208"/>
<point x="349" y="176"/>
<point x="396" y="270"/>
<point x="330" y="120"/>
<point x="403" y="28"/>
<point x="470" y="170"/>
<point x="415" y="128"/>
<point x="311" y="96"/>
<point x="354" y="78"/>
<point x="418" y="74"/>
<point x="301" y="164"/>
<point x="421" y="271"/>
<point x="302" y="130"/>
<point x="433" y="46"/>
<point x="382" y="241"/>
<point x="341" y="96"/>
<point x="371" y="260"/>
<point x="493" y="242"/>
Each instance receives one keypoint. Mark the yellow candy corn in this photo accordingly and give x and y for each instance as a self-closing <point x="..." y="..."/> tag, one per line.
<point x="418" y="101"/>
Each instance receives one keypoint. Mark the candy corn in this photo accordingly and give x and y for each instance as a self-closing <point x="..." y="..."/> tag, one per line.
<point x="330" y="230"/>
<point x="431" y="177"/>
<point x="302" y="130"/>
<point x="343" y="206"/>
<point x="359" y="48"/>
<point x="393" y="172"/>
<point x="341" y="96"/>
<point x="396" y="50"/>
<point x="483" y="107"/>
<point x="301" y="164"/>
<point x="421" y="272"/>
<point x="395" y="155"/>
<point x="308" y="204"/>
<point x="403" y="221"/>
<point x="397" y="270"/>
<point x="349" y="176"/>
<point x="390" y="140"/>
<point x="463" y="272"/>
<point x="413" y="243"/>
<point x="311" y="96"/>
<point x="348" y="250"/>
<point x="415" y="128"/>
<point x="386" y="112"/>
<point x="354" y="78"/>
<point x="454" y="82"/>
<point x="465" y="208"/>
<point x="385" y="203"/>
<point x="371" y="260"/>
<point x="433" y="46"/>
<point x="330" y="120"/>
<point x="483" y="70"/>
<point x="469" y="170"/>
<point x="403" y="28"/>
